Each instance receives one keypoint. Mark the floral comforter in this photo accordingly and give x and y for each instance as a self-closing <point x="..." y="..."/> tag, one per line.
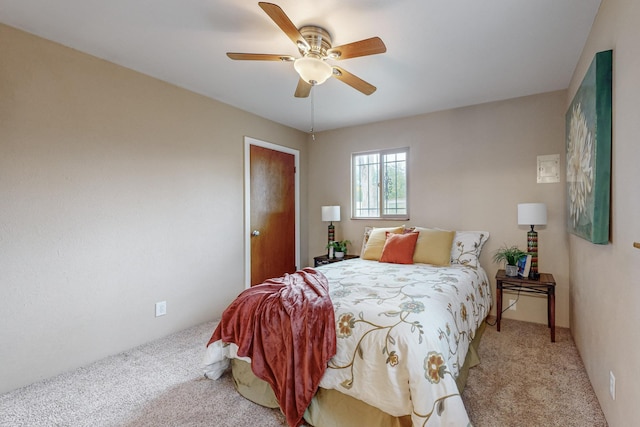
<point x="403" y="332"/>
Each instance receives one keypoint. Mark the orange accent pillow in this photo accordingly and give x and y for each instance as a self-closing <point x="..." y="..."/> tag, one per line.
<point x="398" y="248"/>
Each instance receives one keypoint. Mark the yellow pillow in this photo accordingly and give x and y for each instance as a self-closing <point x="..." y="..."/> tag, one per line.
<point x="377" y="238"/>
<point x="433" y="246"/>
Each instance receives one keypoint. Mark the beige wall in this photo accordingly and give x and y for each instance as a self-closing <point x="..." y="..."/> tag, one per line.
<point x="605" y="289"/>
<point x="117" y="191"/>
<point x="469" y="169"/>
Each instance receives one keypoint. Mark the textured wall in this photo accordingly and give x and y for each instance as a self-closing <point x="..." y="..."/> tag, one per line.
<point x="117" y="191"/>
<point x="604" y="278"/>
<point x="469" y="169"/>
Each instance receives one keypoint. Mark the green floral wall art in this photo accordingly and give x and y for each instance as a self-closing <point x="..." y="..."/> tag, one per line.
<point x="588" y="138"/>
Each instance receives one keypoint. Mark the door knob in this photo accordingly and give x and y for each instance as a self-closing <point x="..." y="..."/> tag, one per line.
<point x="255" y="233"/>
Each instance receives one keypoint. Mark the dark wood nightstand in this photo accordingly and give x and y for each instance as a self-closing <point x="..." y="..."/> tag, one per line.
<point x="545" y="285"/>
<point x="324" y="259"/>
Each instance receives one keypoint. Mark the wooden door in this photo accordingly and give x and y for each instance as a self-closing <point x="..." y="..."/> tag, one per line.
<point x="272" y="216"/>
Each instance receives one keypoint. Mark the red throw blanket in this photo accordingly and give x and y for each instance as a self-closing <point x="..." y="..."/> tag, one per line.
<point x="287" y="327"/>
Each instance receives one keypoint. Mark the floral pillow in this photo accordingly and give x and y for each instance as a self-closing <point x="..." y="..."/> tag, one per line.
<point x="365" y="238"/>
<point x="467" y="246"/>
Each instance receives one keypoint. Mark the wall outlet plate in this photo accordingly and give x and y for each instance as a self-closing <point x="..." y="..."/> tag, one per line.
<point x="161" y="308"/>
<point x="612" y="385"/>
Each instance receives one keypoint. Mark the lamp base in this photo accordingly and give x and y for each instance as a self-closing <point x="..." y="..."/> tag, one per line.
<point x="532" y="249"/>
<point x="331" y="237"/>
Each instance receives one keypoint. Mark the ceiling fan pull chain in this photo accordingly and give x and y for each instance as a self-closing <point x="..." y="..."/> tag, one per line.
<point x="313" y="135"/>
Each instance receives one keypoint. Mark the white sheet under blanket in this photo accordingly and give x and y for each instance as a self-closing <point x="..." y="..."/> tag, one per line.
<point x="217" y="358"/>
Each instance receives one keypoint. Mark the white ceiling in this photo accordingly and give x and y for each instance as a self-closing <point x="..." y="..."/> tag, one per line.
<point x="441" y="54"/>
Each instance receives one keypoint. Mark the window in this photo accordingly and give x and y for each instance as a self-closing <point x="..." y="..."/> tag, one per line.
<point x="379" y="184"/>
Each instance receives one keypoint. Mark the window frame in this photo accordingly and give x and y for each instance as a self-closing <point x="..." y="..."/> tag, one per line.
<point x="381" y="155"/>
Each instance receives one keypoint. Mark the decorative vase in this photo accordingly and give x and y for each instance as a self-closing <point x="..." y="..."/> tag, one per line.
<point x="339" y="255"/>
<point x="511" y="270"/>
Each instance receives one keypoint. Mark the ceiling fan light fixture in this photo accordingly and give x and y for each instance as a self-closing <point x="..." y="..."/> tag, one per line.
<point x="312" y="70"/>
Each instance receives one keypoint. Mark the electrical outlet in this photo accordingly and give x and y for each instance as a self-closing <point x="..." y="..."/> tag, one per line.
<point x="612" y="385"/>
<point x="161" y="308"/>
<point x="512" y="304"/>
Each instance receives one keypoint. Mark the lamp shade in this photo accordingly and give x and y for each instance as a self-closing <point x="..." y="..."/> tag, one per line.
<point x="331" y="213"/>
<point x="313" y="70"/>
<point x="532" y="214"/>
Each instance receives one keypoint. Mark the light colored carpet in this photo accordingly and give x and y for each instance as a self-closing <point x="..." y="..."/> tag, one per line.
<point x="523" y="380"/>
<point x="157" y="384"/>
<point x="526" y="380"/>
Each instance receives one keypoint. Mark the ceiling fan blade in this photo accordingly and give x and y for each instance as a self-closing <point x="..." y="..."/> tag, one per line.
<point x="303" y="90"/>
<point x="282" y="20"/>
<point x="353" y="81"/>
<point x="259" y="57"/>
<point x="371" y="46"/>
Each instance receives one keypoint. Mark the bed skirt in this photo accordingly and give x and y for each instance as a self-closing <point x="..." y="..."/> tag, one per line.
<point x="330" y="408"/>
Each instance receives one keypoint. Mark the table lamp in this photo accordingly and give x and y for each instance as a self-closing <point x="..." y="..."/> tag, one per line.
<point x="532" y="214"/>
<point x="330" y="214"/>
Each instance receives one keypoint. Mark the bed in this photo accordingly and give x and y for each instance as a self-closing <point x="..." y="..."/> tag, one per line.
<point x="405" y="333"/>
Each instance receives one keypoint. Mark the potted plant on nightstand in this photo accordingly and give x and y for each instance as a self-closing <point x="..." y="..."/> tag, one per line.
<point x="510" y="255"/>
<point x="339" y="248"/>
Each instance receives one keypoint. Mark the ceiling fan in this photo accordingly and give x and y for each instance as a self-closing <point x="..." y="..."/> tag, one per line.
<point x="314" y="44"/>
